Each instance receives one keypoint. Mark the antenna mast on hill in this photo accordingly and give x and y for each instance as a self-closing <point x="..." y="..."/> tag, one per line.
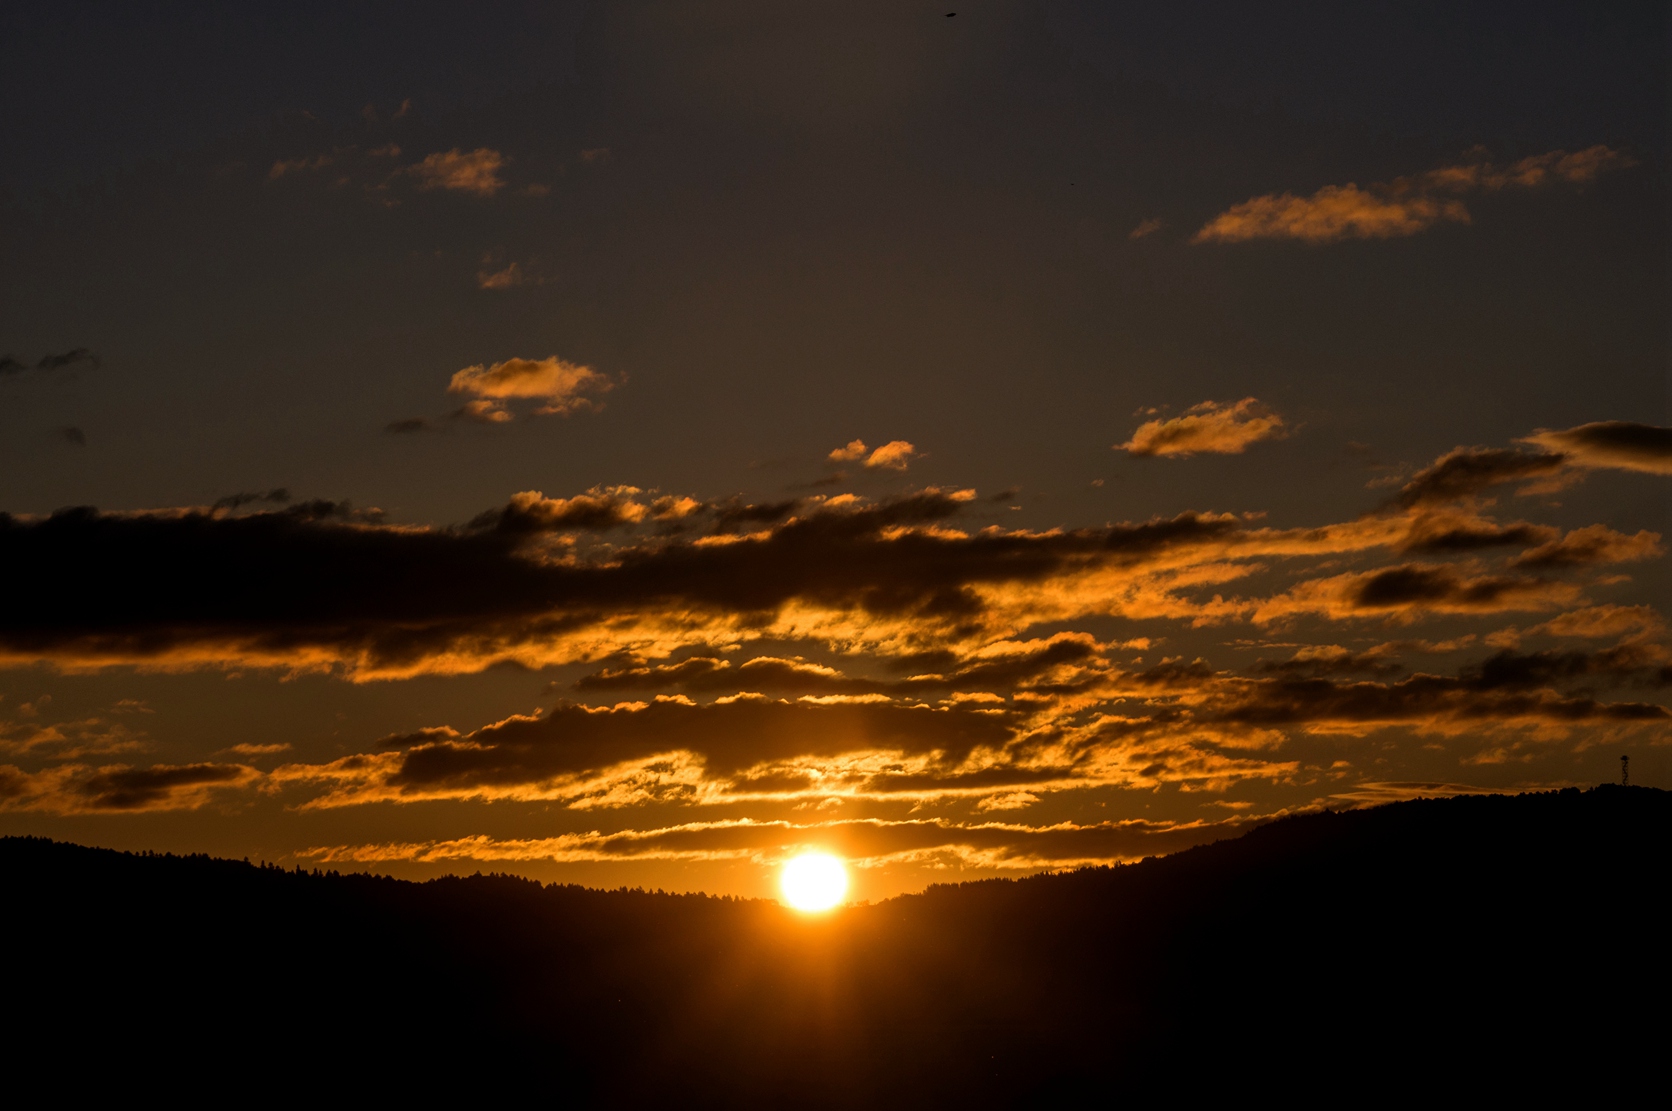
<point x="1625" y="771"/>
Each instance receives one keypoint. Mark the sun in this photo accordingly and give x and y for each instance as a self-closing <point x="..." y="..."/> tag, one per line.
<point x="814" y="881"/>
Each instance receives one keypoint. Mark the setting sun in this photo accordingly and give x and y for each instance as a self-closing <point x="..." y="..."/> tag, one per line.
<point x="814" y="881"/>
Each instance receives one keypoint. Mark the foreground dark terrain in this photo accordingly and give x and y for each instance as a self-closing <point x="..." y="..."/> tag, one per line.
<point x="1491" y="941"/>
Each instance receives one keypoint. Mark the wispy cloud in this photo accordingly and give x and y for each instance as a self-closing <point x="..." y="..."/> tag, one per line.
<point x="505" y="278"/>
<point x="1222" y="428"/>
<point x="77" y="357"/>
<point x="475" y="172"/>
<point x="1624" y="445"/>
<point x="287" y="166"/>
<point x="1402" y="207"/>
<point x="866" y="843"/>
<point x="79" y="789"/>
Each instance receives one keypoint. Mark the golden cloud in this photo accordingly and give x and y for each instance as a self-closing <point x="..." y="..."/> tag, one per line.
<point x="871" y="843"/>
<point x="895" y="455"/>
<point x="1220" y="428"/>
<point x="1402" y="207"/>
<point x="80" y="789"/>
<point x="562" y="386"/>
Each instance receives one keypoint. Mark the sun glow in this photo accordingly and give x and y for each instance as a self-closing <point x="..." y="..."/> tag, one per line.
<point x="814" y="881"/>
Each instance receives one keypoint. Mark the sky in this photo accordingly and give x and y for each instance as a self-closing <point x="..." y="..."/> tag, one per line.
<point x="630" y="444"/>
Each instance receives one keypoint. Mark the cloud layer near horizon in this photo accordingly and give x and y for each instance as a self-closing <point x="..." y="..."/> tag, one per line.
<point x="826" y="651"/>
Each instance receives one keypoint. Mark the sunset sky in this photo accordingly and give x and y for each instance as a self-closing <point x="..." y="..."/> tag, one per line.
<point x="633" y="443"/>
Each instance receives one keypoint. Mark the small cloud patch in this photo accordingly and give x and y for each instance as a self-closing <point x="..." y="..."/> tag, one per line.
<point x="1223" y="428"/>
<point x="562" y="387"/>
<point x="475" y="172"/>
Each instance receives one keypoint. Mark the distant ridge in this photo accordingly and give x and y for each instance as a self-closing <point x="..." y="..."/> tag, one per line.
<point x="1487" y="940"/>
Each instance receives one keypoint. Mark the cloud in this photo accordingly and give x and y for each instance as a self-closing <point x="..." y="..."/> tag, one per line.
<point x="896" y="455"/>
<point x="1465" y="472"/>
<point x="1413" y="589"/>
<point x="1063" y="661"/>
<point x="69" y="358"/>
<point x="71" y="435"/>
<point x="1603" y="621"/>
<point x="1449" y="531"/>
<point x="1594" y="544"/>
<point x="77" y="789"/>
<point x="643" y="580"/>
<point x="288" y="166"/>
<point x="1146" y="227"/>
<point x="475" y="172"/>
<point x="1616" y="443"/>
<point x="1402" y="207"/>
<point x="507" y="278"/>
<point x="407" y="425"/>
<point x="9" y="365"/>
<point x="672" y="750"/>
<point x="864" y="843"/>
<point x="259" y="750"/>
<point x="1334" y="212"/>
<point x="1211" y="427"/>
<point x="562" y="386"/>
<point x="599" y="509"/>
<point x="1175" y="722"/>
<point x="276" y="496"/>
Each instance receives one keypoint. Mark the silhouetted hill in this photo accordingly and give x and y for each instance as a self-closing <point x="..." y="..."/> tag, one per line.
<point x="1489" y="942"/>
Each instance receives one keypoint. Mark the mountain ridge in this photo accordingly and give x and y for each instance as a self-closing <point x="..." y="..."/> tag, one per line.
<point x="1478" y="936"/>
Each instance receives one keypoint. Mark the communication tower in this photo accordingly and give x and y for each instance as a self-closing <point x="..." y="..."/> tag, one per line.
<point x="1625" y="771"/>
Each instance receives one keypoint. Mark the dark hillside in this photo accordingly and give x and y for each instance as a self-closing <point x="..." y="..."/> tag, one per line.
<point x="1493" y="941"/>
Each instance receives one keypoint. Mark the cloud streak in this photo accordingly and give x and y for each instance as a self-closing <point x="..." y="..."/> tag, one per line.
<point x="1617" y="444"/>
<point x="48" y="363"/>
<point x="79" y="789"/>
<point x="1402" y="207"/>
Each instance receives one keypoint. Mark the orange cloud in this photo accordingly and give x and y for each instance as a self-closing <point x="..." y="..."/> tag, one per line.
<point x="511" y="276"/>
<point x="895" y="455"/>
<point x="1616" y="443"/>
<point x="562" y="385"/>
<point x="1333" y="212"/>
<point x="1413" y="589"/>
<point x="1225" y="429"/>
<point x="1594" y="544"/>
<point x="866" y="843"/>
<point x="296" y="165"/>
<point x="475" y="172"/>
<point x="1402" y="207"/>
<point x="78" y="789"/>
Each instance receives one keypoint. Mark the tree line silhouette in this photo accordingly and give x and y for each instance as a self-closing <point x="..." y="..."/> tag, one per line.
<point x="1483" y="942"/>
